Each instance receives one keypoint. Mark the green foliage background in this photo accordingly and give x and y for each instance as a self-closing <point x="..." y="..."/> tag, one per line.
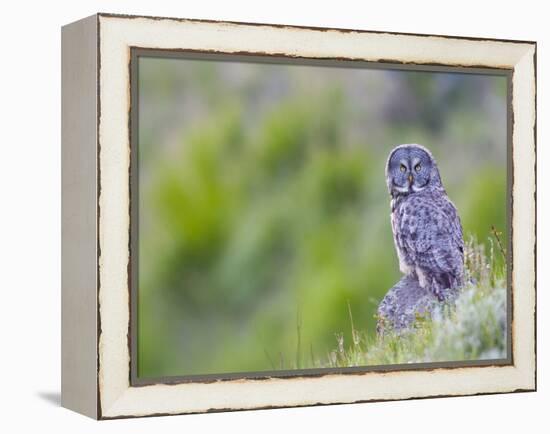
<point x="263" y="204"/>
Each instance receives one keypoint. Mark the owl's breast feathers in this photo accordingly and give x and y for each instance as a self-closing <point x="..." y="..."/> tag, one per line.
<point x="428" y="238"/>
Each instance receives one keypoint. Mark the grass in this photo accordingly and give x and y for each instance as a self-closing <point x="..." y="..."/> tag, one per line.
<point x="474" y="328"/>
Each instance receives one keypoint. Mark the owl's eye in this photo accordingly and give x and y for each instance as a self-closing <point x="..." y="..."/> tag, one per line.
<point x="418" y="167"/>
<point x="402" y="168"/>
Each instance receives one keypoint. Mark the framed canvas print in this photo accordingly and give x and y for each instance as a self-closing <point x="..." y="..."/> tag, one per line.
<point x="262" y="216"/>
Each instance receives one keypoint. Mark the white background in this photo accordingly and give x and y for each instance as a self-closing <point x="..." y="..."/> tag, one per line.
<point x="30" y="217"/>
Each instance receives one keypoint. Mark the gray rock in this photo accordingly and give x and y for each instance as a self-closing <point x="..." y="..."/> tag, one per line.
<point x="403" y="304"/>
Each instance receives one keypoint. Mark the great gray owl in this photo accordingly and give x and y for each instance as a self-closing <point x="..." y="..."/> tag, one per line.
<point x="425" y="223"/>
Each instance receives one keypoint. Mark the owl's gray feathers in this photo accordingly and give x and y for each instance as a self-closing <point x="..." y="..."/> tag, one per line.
<point x="427" y="233"/>
<point x="428" y="238"/>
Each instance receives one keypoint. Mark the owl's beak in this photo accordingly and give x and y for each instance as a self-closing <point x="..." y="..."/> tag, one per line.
<point x="410" y="179"/>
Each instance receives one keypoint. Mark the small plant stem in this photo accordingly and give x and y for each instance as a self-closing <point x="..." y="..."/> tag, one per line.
<point x="299" y="340"/>
<point x="495" y="234"/>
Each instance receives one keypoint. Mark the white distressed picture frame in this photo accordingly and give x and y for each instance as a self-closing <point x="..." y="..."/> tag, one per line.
<point x="96" y="308"/>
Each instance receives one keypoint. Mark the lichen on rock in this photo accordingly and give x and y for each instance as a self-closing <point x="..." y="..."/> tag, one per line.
<point x="403" y="305"/>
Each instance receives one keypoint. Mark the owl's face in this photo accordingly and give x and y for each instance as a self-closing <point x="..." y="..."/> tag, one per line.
<point x="410" y="169"/>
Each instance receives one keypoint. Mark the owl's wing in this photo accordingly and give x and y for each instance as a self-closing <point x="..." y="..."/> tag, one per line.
<point x="430" y="235"/>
